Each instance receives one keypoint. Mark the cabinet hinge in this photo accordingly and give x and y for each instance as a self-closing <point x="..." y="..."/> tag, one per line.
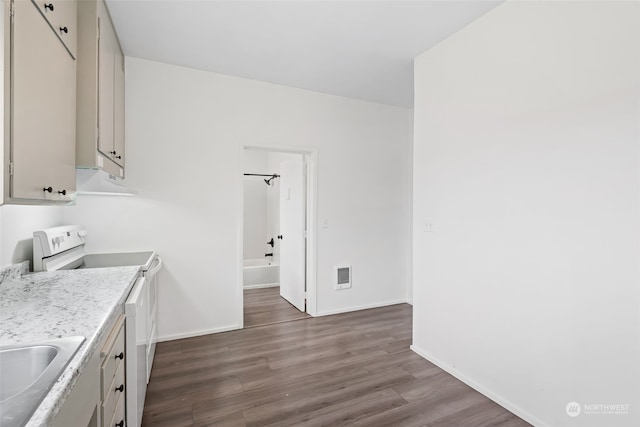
<point x="11" y="169"/>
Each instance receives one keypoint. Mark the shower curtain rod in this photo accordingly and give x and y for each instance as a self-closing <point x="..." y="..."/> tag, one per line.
<point x="261" y="174"/>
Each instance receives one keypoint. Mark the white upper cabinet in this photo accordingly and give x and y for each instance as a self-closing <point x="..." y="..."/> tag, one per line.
<point x="100" y="124"/>
<point x="61" y="16"/>
<point x="40" y="102"/>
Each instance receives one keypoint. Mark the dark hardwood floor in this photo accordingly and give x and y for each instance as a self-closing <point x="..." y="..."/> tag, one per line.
<point x="342" y="370"/>
<point x="265" y="306"/>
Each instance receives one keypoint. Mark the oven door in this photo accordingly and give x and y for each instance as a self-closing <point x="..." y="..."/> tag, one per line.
<point x="152" y="311"/>
<point x="136" y="310"/>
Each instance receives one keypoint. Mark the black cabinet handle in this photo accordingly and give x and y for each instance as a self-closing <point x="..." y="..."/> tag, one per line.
<point x="120" y="424"/>
<point x="48" y="6"/>
<point x="63" y="192"/>
<point x="49" y="189"/>
<point x="280" y="237"/>
<point x="118" y="157"/>
<point x="271" y="242"/>
<point x="120" y="356"/>
<point x="64" y="30"/>
<point x="121" y="388"/>
<point x="112" y="152"/>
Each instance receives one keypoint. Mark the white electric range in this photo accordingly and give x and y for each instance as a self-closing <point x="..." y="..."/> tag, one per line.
<point x="62" y="248"/>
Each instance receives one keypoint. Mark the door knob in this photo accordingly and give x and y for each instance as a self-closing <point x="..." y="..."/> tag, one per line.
<point x="120" y="356"/>
<point x="64" y="30"/>
<point x="48" y="6"/>
<point x="63" y="192"/>
<point x="48" y="189"/>
<point x="121" y="388"/>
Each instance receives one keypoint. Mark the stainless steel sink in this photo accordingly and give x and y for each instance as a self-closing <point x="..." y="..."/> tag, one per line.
<point x="27" y="373"/>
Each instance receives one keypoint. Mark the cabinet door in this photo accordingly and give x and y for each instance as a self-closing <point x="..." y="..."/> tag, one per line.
<point x="106" y="59"/>
<point x="118" y="107"/>
<point x="43" y="98"/>
<point x="61" y="15"/>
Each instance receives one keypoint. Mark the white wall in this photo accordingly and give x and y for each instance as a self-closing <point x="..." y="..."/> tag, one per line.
<point x="17" y="224"/>
<point x="526" y="160"/>
<point x="255" y="205"/>
<point x="185" y="133"/>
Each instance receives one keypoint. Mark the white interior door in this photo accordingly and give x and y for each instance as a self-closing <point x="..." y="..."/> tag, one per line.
<point x="292" y="224"/>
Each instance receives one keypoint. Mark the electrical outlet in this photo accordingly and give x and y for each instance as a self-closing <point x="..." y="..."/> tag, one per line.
<point x="429" y="227"/>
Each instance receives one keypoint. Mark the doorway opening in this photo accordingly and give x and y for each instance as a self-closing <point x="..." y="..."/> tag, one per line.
<point x="275" y="240"/>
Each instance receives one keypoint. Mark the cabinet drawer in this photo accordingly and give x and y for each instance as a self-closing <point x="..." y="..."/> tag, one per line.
<point x="62" y="16"/>
<point x="118" y="416"/>
<point x="114" y="358"/>
<point x="113" y="394"/>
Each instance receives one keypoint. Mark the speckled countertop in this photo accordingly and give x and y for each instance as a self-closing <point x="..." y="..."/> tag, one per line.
<point x="44" y="306"/>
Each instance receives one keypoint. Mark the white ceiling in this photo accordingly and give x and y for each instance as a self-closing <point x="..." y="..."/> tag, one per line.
<point x="357" y="49"/>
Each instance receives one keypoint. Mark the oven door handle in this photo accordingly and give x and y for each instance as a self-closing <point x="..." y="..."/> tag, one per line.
<point x="154" y="269"/>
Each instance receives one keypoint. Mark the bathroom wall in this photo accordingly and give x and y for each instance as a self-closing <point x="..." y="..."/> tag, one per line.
<point x="255" y="215"/>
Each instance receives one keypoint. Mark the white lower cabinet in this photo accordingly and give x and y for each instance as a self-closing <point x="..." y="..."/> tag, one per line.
<point x="98" y="397"/>
<point x="113" y="386"/>
<point x="81" y="407"/>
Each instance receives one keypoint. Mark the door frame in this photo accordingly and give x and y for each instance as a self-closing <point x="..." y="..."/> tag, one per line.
<point x="311" y="157"/>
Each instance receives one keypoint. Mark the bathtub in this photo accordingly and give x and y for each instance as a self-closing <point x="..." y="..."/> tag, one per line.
<point x="260" y="273"/>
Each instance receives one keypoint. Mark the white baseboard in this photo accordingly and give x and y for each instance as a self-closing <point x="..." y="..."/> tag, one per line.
<point x="481" y="389"/>
<point x="263" y="285"/>
<point x="359" y="307"/>
<point x="198" y="333"/>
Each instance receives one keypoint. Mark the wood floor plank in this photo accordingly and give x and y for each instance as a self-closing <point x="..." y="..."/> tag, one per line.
<point x="233" y="420"/>
<point x="299" y="402"/>
<point x="265" y="306"/>
<point x="482" y="414"/>
<point x="348" y="369"/>
<point x="342" y="412"/>
<point x="326" y="366"/>
<point x="170" y="416"/>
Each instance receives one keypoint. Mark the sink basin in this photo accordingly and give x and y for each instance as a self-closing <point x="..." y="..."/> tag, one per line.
<point x="27" y="373"/>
